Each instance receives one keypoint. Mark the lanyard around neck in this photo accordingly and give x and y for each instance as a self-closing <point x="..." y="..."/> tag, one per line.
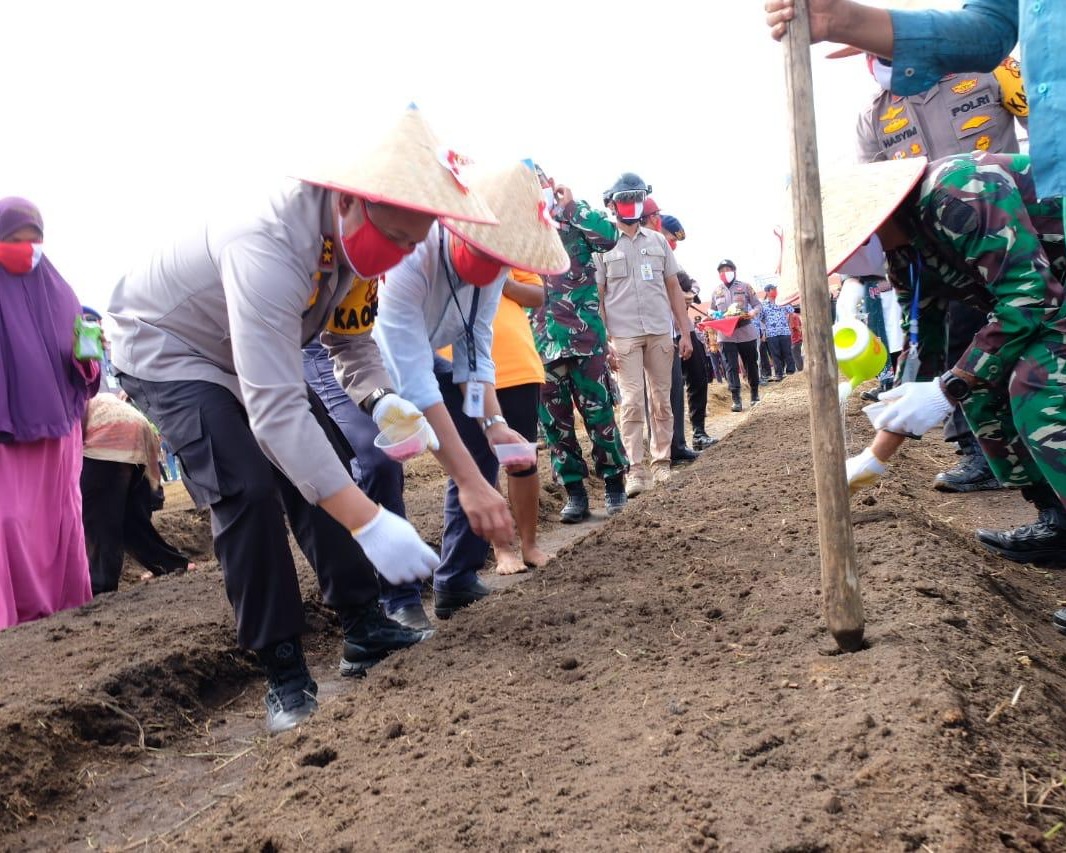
<point x="468" y="326"/>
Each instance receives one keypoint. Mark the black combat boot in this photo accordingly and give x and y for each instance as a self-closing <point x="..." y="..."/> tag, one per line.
<point x="369" y="636"/>
<point x="1042" y="543"/>
<point x="291" y="692"/>
<point x="971" y="474"/>
<point x="736" y="401"/>
<point x="614" y="495"/>
<point x="577" y="504"/>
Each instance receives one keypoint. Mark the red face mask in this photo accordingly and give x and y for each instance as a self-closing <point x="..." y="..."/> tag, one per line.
<point x="727" y="276"/>
<point x="369" y="251"/>
<point x="475" y="269"/>
<point x="671" y="242"/>
<point x="20" y="258"/>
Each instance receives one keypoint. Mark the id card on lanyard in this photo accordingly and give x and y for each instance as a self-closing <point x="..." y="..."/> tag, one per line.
<point x="474" y="398"/>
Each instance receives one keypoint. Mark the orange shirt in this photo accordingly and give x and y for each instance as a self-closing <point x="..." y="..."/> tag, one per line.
<point x="513" y="351"/>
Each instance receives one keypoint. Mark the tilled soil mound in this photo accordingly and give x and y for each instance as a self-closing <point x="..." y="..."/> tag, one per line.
<point x="667" y="683"/>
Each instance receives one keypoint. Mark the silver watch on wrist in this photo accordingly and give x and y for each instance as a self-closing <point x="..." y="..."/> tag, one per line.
<point x="492" y="421"/>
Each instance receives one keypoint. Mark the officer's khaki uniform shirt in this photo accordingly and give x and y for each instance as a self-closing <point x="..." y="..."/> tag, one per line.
<point x="233" y="305"/>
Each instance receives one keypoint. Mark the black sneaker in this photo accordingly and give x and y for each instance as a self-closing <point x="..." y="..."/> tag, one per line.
<point x="291" y="692"/>
<point x="701" y="441"/>
<point x="614" y="502"/>
<point x="576" y="509"/>
<point x="1042" y="543"/>
<point x="370" y="636"/>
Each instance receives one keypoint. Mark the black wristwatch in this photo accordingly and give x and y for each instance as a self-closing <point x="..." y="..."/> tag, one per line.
<point x="372" y="399"/>
<point x="955" y="388"/>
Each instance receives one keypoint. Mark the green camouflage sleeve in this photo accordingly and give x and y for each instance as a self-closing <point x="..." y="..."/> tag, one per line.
<point x="597" y="227"/>
<point x="977" y="207"/>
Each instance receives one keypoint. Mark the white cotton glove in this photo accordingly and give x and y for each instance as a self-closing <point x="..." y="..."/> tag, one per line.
<point x="394" y="547"/>
<point x="393" y="411"/>
<point x="863" y="470"/>
<point x="912" y="408"/>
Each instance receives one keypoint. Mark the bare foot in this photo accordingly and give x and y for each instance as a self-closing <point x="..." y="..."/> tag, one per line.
<point x="508" y="563"/>
<point x="534" y="557"/>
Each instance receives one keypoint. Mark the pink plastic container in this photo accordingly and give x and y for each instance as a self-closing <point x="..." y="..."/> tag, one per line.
<point x="400" y="447"/>
<point x="518" y="455"/>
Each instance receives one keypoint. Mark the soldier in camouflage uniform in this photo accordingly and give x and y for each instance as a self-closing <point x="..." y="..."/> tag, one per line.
<point x="979" y="235"/>
<point x="572" y="342"/>
<point x="959" y="113"/>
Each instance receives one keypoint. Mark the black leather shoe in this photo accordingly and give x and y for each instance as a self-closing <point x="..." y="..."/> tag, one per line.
<point x="369" y="636"/>
<point x="754" y="399"/>
<point x="1042" y="543"/>
<point x="447" y="601"/>
<point x="576" y="509"/>
<point x="1058" y="619"/>
<point x="682" y="456"/>
<point x="737" y="407"/>
<point x="412" y="616"/>
<point x="870" y="396"/>
<point x="972" y="474"/>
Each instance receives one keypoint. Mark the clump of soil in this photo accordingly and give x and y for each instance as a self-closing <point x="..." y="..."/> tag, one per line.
<point x="665" y="683"/>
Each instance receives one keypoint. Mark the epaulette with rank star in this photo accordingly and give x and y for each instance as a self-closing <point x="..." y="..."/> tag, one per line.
<point x="327" y="259"/>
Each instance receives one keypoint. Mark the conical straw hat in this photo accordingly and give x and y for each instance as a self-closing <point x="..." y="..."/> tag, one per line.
<point x="856" y="199"/>
<point x="408" y="168"/>
<point x="526" y="237"/>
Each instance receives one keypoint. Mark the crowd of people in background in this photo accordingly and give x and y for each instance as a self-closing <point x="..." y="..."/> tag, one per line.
<point x="477" y="313"/>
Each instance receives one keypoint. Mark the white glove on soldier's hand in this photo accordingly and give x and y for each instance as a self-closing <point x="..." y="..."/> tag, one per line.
<point x="913" y="408"/>
<point x="863" y="470"/>
<point x="394" y="547"/>
<point x="393" y="411"/>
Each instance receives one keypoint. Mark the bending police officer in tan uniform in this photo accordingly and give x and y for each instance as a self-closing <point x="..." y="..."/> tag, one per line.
<point x="206" y="337"/>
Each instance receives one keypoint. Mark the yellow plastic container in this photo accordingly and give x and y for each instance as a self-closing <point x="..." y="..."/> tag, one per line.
<point x="861" y="355"/>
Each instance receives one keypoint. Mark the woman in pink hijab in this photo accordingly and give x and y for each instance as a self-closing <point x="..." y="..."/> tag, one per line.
<point x="43" y="392"/>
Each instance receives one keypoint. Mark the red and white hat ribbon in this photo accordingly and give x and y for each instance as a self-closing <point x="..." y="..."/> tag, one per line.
<point x="545" y="214"/>
<point x="454" y="162"/>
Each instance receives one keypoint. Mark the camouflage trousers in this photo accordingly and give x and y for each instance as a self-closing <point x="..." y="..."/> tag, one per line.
<point x="584" y="382"/>
<point x="1022" y="429"/>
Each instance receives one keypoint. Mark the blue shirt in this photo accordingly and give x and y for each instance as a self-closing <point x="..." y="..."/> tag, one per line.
<point x="775" y="319"/>
<point x="930" y="44"/>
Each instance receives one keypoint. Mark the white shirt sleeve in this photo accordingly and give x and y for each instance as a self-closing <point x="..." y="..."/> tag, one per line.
<point x="401" y="332"/>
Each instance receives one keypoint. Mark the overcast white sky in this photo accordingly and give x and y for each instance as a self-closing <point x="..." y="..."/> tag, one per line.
<point x="130" y="121"/>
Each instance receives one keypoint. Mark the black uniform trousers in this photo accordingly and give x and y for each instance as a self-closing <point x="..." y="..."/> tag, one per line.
<point x="695" y="375"/>
<point x="780" y="347"/>
<point x="116" y="511"/>
<point x="225" y="469"/>
<point x="748" y="352"/>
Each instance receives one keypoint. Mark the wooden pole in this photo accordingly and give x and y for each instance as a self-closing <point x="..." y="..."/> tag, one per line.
<point x="840" y="578"/>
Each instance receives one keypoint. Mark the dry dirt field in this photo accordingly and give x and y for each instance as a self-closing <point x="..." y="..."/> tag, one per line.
<point x="665" y="683"/>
